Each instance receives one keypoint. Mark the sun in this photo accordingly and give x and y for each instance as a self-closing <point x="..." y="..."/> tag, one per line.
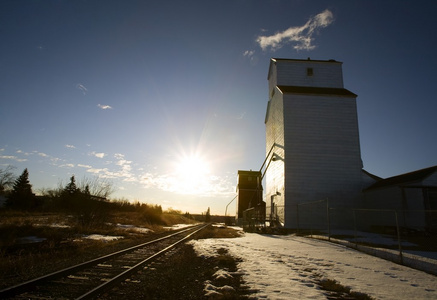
<point x="193" y="174"/>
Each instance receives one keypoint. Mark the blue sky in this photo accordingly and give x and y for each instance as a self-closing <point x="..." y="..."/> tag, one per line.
<point x="166" y="99"/>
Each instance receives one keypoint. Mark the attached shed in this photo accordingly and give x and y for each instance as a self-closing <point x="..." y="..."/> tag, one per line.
<point x="413" y="195"/>
<point x="250" y="194"/>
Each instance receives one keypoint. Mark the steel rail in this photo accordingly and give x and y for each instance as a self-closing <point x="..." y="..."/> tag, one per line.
<point x="25" y="286"/>
<point x="120" y="277"/>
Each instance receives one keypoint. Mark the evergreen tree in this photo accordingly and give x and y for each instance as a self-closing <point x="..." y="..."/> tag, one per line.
<point x="208" y="216"/>
<point x="22" y="196"/>
<point x="87" y="191"/>
<point x="71" y="188"/>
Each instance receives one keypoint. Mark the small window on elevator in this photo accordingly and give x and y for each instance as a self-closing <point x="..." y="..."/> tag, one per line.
<point x="310" y="72"/>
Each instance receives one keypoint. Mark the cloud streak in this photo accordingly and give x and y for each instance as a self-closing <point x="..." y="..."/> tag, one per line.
<point x="301" y="37"/>
<point x="248" y="53"/>
<point x="82" y="88"/>
<point x="101" y="106"/>
<point x="12" y="157"/>
<point x="98" y="154"/>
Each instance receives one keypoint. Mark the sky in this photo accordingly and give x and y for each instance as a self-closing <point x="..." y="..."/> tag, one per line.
<point x="166" y="99"/>
<point x="290" y="267"/>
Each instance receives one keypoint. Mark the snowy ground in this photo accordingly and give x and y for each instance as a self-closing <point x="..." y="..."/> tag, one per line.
<point x="105" y="238"/>
<point x="178" y="226"/>
<point x="290" y="267"/>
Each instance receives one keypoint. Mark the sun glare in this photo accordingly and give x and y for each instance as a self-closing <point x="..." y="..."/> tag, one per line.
<point x="193" y="173"/>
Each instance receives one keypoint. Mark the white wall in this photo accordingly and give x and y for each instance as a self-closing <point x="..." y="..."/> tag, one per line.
<point x="275" y="171"/>
<point x="294" y="73"/>
<point x="321" y="156"/>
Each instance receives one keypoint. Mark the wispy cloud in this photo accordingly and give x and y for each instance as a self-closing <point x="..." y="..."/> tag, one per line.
<point x="82" y="88"/>
<point x="22" y="152"/>
<point x="70" y="146"/>
<point x="126" y="168"/>
<point x="98" y="154"/>
<point x="248" y="53"/>
<point x="12" y="157"/>
<point x="84" y="166"/>
<point x="122" y="171"/>
<point x="67" y="166"/>
<point x="301" y="36"/>
<point x="101" y="106"/>
<point x="97" y="171"/>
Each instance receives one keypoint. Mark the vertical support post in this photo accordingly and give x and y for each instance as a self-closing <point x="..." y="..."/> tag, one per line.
<point x="312" y="220"/>
<point x="297" y="212"/>
<point x="399" y="238"/>
<point x="327" y="219"/>
<point x="355" y="229"/>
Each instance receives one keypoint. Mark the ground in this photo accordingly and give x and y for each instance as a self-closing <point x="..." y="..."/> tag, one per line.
<point x="181" y="274"/>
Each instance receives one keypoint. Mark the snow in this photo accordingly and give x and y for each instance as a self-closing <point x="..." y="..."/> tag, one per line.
<point x="99" y="237"/>
<point x="178" y="226"/>
<point x="212" y="291"/>
<point x="30" y="239"/>
<point x="290" y="267"/>
<point x="53" y="225"/>
<point x="133" y="228"/>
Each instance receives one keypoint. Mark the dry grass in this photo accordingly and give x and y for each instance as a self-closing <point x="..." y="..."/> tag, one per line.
<point x="338" y="291"/>
<point x="61" y="244"/>
<point x="218" y="232"/>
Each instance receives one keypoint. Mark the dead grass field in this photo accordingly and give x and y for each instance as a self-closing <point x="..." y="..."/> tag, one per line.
<point x="32" y="245"/>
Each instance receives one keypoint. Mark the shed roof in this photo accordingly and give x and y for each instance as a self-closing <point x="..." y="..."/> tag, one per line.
<point x="373" y="176"/>
<point x="315" y="91"/>
<point x="406" y="178"/>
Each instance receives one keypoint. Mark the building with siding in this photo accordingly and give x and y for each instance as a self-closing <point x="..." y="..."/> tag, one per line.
<point x="412" y="195"/>
<point x="250" y="195"/>
<point x="313" y="159"/>
<point x="312" y="141"/>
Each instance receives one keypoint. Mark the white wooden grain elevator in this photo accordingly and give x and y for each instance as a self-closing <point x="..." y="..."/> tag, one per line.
<point x="312" y="140"/>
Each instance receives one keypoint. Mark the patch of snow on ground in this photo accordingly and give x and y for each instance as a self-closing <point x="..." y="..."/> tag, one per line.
<point x="177" y="226"/>
<point x="134" y="228"/>
<point x="99" y="237"/>
<point x="53" y="225"/>
<point x="219" y="225"/>
<point x="30" y="240"/>
<point x="290" y="267"/>
<point x="216" y="291"/>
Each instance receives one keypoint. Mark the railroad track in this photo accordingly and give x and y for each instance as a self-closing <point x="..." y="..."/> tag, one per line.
<point x="89" y="279"/>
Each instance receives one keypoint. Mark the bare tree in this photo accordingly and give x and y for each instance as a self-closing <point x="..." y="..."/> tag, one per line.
<point x="7" y="179"/>
<point x="96" y="187"/>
